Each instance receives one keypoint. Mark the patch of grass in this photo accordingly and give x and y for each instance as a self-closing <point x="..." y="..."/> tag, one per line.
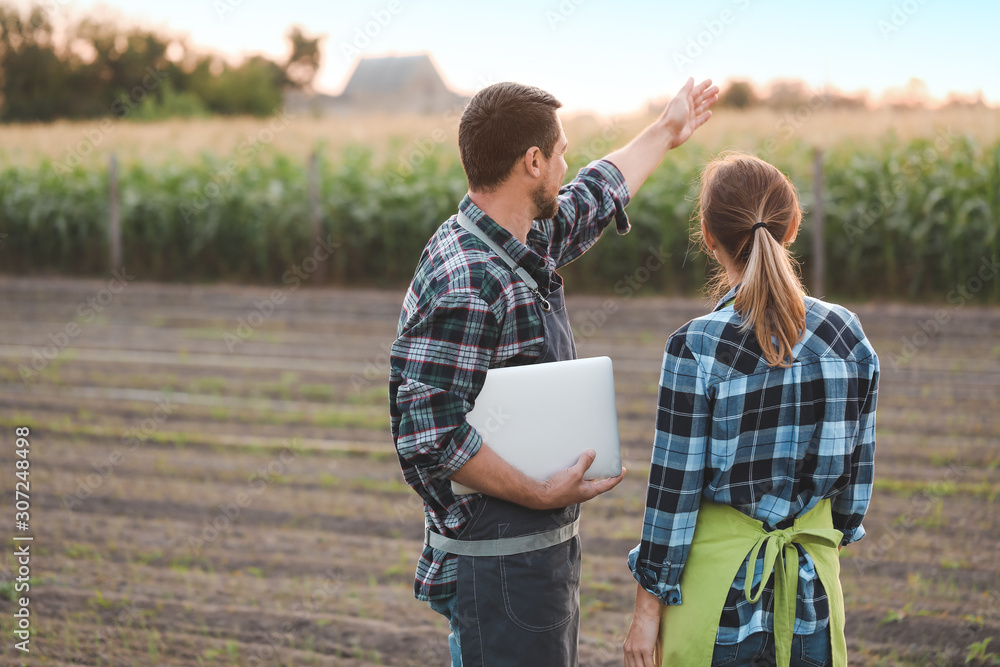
<point x="19" y="419"/>
<point x="220" y="413"/>
<point x="100" y="601"/>
<point x="918" y="585"/>
<point x="209" y="655"/>
<point x="934" y="521"/>
<point x="370" y="396"/>
<point x="8" y="592"/>
<point x="316" y="392"/>
<point x="181" y="563"/>
<point x="153" y="646"/>
<point x="601" y="586"/>
<point x="78" y="551"/>
<point x="344" y="419"/>
<point x="891" y="616"/>
<point x="147" y="557"/>
<point x="288" y="378"/>
<point x="944" y="459"/>
<point x="232" y="650"/>
<point x="162" y="464"/>
<point x="910" y="487"/>
<point x="976" y="652"/>
<point x="949" y="564"/>
<point x="378" y="486"/>
<point x="208" y="385"/>
<point x="282" y="418"/>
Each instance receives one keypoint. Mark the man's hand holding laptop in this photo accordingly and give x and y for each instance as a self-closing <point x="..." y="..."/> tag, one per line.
<point x="490" y="474"/>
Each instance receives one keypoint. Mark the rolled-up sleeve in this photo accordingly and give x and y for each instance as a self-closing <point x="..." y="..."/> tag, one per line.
<point x="442" y="362"/>
<point x="587" y="205"/>
<point x="676" y="473"/>
<point x="850" y="506"/>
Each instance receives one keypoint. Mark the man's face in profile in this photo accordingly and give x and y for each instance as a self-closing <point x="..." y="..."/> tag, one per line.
<point x="545" y="195"/>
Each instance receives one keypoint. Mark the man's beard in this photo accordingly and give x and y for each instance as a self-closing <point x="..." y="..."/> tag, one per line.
<point x="545" y="207"/>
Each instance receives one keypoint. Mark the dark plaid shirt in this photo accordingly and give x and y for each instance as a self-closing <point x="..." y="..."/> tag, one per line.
<point x="464" y="313"/>
<point x="771" y="442"/>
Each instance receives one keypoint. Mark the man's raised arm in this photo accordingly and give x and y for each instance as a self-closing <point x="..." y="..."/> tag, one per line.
<point x="685" y="113"/>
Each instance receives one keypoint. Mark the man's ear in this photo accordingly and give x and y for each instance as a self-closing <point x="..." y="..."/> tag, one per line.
<point x="533" y="161"/>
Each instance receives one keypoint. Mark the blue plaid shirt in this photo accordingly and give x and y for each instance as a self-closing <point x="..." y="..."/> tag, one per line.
<point x="464" y="313"/>
<point x="771" y="442"/>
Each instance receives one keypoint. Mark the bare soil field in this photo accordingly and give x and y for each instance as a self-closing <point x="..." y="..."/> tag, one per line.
<point x="213" y="481"/>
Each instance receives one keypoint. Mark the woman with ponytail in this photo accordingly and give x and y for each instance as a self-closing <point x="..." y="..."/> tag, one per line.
<point x="763" y="455"/>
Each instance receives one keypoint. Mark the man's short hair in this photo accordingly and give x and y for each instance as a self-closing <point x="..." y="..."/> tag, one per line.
<point x="500" y="123"/>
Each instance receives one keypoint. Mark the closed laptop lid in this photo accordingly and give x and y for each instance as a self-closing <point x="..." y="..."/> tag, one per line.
<point x="541" y="417"/>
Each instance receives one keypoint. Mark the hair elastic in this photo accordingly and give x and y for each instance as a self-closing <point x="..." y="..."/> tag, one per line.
<point x="759" y="224"/>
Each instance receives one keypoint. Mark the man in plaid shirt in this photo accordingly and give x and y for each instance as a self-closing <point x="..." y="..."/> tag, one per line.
<point x="466" y="312"/>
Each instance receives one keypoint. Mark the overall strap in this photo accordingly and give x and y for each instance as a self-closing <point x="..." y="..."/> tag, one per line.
<point x="521" y="272"/>
<point x="504" y="546"/>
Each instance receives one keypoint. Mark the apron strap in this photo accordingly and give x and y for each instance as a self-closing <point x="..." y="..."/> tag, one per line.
<point x="521" y="272"/>
<point x="782" y="558"/>
<point x="505" y="546"/>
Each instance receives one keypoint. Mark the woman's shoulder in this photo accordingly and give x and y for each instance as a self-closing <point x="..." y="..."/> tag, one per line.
<point x="835" y="330"/>
<point x="703" y="334"/>
<point x="831" y="330"/>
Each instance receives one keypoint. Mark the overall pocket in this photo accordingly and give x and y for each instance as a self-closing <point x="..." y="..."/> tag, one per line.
<point x="541" y="588"/>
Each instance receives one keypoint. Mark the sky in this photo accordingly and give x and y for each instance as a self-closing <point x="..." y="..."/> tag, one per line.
<point x="611" y="56"/>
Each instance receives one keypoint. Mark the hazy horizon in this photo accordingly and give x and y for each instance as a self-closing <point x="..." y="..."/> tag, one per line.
<point x="604" y="59"/>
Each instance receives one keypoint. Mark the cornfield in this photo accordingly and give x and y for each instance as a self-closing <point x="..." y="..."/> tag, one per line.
<point x="907" y="219"/>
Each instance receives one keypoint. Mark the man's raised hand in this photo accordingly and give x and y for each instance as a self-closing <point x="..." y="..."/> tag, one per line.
<point x="689" y="109"/>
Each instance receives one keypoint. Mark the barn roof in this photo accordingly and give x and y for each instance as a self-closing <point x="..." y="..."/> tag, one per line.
<point x="391" y="84"/>
<point x="389" y="74"/>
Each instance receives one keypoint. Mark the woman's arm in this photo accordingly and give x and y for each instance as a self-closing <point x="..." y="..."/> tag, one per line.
<point x="642" y="643"/>
<point x="676" y="472"/>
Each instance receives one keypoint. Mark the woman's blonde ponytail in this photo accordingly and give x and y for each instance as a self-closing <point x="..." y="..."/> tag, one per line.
<point x="770" y="298"/>
<point x="752" y="210"/>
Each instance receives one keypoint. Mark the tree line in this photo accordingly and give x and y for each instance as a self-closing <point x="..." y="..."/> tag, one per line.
<point x="94" y="67"/>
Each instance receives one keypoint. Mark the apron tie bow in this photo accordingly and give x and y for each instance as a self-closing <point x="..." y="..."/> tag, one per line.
<point x="782" y="557"/>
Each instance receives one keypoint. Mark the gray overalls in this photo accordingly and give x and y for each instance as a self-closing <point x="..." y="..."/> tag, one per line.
<point x="523" y="609"/>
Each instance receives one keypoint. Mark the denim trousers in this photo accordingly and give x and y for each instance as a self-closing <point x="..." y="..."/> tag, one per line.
<point x="447" y="609"/>
<point x="757" y="650"/>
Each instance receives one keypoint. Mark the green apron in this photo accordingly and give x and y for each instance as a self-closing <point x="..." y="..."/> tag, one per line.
<point x="725" y="539"/>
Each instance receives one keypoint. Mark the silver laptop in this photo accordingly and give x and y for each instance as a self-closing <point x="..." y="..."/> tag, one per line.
<point x="541" y="417"/>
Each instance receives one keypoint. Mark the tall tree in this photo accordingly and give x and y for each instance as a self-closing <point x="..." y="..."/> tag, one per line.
<point x="304" y="60"/>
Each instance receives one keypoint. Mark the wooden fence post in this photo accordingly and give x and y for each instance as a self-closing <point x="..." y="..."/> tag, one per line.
<point x="314" y="210"/>
<point x="818" y="244"/>
<point x="114" y="217"/>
